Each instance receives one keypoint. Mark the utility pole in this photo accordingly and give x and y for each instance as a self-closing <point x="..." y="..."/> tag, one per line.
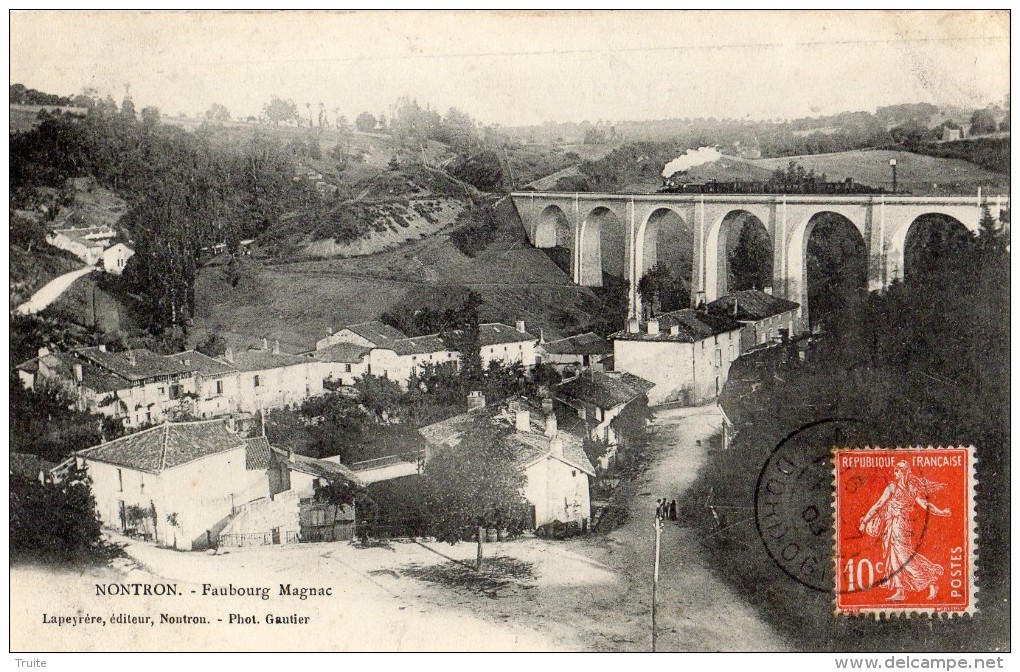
<point x="655" y="577"/>
<point x="892" y="162"/>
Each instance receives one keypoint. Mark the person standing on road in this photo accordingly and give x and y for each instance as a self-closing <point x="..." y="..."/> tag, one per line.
<point x="672" y="510"/>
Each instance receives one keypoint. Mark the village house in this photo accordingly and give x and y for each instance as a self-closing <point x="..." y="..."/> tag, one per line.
<point x="176" y="483"/>
<point x="613" y="406"/>
<point x="291" y="512"/>
<point x="398" y="360"/>
<point x="765" y="318"/>
<point x="136" y="386"/>
<point x="685" y="353"/>
<point x="216" y="383"/>
<point x="270" y="378"/>
<point x="115" y="258"/>
<point x="583" y="351"/>
<point x="506" y="344"/>
<point x="341" y="363"/>
<point x="87" y="243"/>
<point x="372" y="334"/>
<point x="553" y="462"/>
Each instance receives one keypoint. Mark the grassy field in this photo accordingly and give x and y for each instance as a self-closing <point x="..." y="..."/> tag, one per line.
<point x="298" y="302"/>
<point x="915" y="173"/>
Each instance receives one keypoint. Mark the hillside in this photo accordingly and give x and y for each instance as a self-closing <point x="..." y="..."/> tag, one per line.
<point x="915" y="173"/>
<point x="298" y="302"/>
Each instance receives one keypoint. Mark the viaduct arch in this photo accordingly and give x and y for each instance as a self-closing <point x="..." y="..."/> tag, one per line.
<point x="598" y="228"/>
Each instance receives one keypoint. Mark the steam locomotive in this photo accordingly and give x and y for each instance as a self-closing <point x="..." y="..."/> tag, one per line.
<point x="679" y="184"/>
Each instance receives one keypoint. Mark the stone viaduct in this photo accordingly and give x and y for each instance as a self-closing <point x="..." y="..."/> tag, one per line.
<point x="589" y="224"/>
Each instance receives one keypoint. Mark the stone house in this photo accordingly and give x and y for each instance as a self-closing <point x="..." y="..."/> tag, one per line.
<point x="765" y="318"/>
<point x="115" y="258"/>
<point x="583" y="351"/>
<point x="685" y="353"/>
<point x="87" y="243"/>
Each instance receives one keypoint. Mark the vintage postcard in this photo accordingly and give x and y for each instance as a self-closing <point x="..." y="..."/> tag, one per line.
<point x="508" y="331"/>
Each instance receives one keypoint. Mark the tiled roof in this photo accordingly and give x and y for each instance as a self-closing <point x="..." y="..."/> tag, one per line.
<point x="330" y="471"/>
<point x="581" y="344"/>
<point x="419" y="345"/>
<point x="496" y="333"/>
<point x="261" y="360"/>
<point x="692" y="326"/>
<point x="93" y="377"/>
<point x="166" y="446"/>
<point x="604" y="390"/>
<point x="257" y="453"/>
<point x="341" y="352"/>
<point x="530" y="446"/>
<point x="202" y="364"/>
<point x="135" y="364"/>
<point x="377" y="332"/>
<point x="751" y="304"/>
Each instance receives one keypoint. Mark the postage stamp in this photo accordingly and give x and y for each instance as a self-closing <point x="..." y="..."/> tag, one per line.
<point x="905" y="531"/>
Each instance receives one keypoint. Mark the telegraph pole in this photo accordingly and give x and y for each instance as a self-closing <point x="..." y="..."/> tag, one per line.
<point x="655" y="576"/>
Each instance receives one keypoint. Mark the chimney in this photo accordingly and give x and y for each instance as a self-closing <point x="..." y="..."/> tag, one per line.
<point x="290" y="454"/>
<point x="522" y="421"/>
<point x="556" y="446"/>
<point x="550" y="425"/>
<point x="265" y="343"/>
<point x="131" y="357"/>
<point x="231" y="424"/>
<point x="541" y="336"/>
<point x="674" y="330"/>
<point x="276" y="347"/>
<point x="102" y="347"/>
<point x="547" y="405"/>
<point x="768" y="289"/>
<point x="475" y="400"/>
<point x="632" y="325"/>
<point x="653" y="326"/>
<point x="736" y="303"/>
<point x="228" y="355"/>
<point x="77" y="373"/>
<point x="520" y="326"/>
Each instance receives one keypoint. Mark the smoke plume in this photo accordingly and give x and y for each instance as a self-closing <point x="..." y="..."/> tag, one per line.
<point x="689" y="159"/>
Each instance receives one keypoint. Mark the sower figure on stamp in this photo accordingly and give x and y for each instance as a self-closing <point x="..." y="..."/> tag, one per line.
<point x="890" y="517"/>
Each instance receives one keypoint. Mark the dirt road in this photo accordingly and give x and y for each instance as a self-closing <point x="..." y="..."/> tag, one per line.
<point x="51" y="291"/>
<point x="696" y="611"/>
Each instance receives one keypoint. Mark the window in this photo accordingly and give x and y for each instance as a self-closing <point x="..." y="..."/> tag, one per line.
<point x="219" y="387"/>
<point x="256" y="381"/>
<point x="718" y="387"/>
<point x="162" y="391"/>
<point x="718" y="357"/>
<point x="318" y="517"/>
<point x="175" y="391"/>
<point x="316" y="483"/>
<point x="120" y="481"/>
<point x="347" y="368"/>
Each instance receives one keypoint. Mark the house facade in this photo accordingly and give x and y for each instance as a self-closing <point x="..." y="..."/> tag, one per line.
<point x="270" y="378"/>
<point x="186" y="478"/>
<point x="686" y="354"/>
<point x="115" y="258"/>
<point x="505" y="344"/>
<point x="765" y="318"/>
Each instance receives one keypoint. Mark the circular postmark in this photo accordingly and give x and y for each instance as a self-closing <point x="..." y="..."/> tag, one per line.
<point x="793" y="500"/>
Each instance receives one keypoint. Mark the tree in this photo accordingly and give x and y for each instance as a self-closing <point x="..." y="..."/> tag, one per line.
<point x="982" y="122"/>
<point x="217" y="113"/>
<point x="751" y="262"/>
<point x="213" y="346"/>
<point x="474" y="485"/>
<point x="365" y="122"/>
<point x="340" y="493"/>
<point x="150" y="117"/>
<point x="278" y="110"/>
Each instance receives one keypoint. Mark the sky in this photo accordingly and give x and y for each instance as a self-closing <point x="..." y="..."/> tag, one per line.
<point x="518" y="68"/>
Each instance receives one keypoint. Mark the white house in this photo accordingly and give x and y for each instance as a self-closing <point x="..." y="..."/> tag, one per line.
<point x="341" y="362"/>
<point x="115" y="258"/>
<point x="686" y="353"/>
<point x="270" y="378"/>
<point x="506" y="344"/>
<point x="216" y="383"/>
<point x="87" y="243"/>
<point x="553" y="462"/>
<point x="189" y="478"/>
<point x="766" y="318"/>
<point x="372" y="334"/>
<point x="405" y="356"/>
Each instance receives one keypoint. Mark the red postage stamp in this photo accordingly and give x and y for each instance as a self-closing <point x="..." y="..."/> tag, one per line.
<point x="905" y="531"/>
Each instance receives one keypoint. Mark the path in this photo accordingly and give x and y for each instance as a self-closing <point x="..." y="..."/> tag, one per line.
<point x="51" y="291"/>
<point x="696" y="610"/>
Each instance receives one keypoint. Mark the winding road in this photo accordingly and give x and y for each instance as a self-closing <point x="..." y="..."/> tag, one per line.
<point x="51" y="291"/>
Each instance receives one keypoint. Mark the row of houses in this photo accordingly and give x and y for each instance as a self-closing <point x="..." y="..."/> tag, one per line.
<point x="94" y="245"/>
